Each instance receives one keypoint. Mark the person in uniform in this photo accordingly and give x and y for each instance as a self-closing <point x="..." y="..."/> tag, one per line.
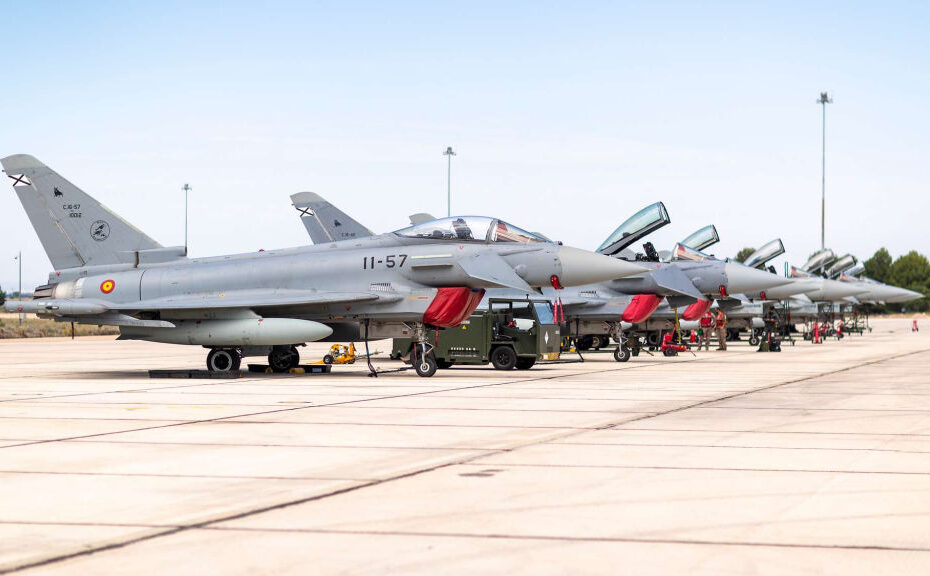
<point x="720" y="321"/>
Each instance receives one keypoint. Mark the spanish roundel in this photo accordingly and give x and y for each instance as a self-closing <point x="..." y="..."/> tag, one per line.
<point x="107" y="286"/>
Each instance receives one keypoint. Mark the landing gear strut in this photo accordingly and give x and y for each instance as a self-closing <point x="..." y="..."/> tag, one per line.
<point x="422" y="357"/>
<point x="223" y="360"/>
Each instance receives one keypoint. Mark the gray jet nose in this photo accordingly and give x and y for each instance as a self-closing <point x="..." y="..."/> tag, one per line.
<point x="903" y="295"/>
<point x="795" y="287"/>
<point x="742" y="279"/>
<point x="834" y="291"/>
<point x="581" y="267"/>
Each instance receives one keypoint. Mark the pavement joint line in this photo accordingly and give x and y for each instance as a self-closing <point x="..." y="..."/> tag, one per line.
<point x="702" y="468"/>
<point x="731" y="447"/>
<point x="811" y="433"/>
<point x="617" y="539"/>
<point x="270" y="445"/>
<point x="244" y="514"/>
<point x="202" y="476"/>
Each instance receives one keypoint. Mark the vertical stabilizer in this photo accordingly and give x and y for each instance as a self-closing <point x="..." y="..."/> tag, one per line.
<point x="324" y="222"/>
<point x="74" y="229"/>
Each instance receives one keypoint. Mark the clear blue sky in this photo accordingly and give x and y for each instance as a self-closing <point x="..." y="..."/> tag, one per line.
<point x="566" y="117"/>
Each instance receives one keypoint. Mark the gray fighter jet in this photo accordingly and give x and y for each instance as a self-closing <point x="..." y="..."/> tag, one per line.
<point x="434" y="274"/>
<point x="596" y="312"/>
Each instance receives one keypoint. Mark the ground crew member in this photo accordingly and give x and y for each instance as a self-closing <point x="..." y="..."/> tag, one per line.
<point x="704" y="330"/>
<point x="720" y="320"/>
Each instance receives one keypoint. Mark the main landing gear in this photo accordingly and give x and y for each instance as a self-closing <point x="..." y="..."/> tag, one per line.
<point x="283" y="358"/>
<point x="223" y="360"/>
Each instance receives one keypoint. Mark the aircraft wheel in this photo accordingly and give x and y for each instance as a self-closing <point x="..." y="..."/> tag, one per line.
<point x="328" y="359"/>
<point x="622" y="354"/>
<point x="653" y="340"/>
<point x="426" y="366"/>
<point x="223" y="360"/>
<point x="754" y="339"/>
<point x="525" y="363"/>
<point x="283" y="358"/>
<point x="503" y="358"/>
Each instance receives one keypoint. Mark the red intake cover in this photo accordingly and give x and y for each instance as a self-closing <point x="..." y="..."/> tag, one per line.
<point x="451" y="306"/>
<point x="640" y="307"/>
<point x="696" y="310"/>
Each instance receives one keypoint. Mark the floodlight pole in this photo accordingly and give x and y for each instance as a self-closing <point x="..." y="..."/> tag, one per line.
<point x="187" y="189"/>
<point x="449" y="153"/>
<point x="19" y="259"/>
<point x="823" y="101"/>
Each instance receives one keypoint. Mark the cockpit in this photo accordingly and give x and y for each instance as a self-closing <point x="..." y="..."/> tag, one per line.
<point x="703" y="238"/>
<point x="470" y="229"/>
<point x="682" y="252"/>
<point x="637" y="226"/>
<point x="769" y="251"/>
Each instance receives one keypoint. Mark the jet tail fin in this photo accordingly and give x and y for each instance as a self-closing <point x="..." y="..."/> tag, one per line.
<point x="75" y="229"/>
<point x="324" y="222"/>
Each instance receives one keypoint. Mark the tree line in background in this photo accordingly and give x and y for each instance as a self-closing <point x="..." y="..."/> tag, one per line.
<point x="911" y="271"/>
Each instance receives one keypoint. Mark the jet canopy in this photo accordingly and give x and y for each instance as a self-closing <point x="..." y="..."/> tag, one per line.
<point x="768" y="252"/>
<point x="644" y="222"/>
<point x="703" y="238"/>
<point x="819" y="260"/>
<point x="682" y="252"/>
<point x="843" y="264"/>
<point x="470" y="229"/>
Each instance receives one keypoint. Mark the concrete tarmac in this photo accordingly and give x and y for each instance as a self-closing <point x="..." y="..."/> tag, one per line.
<point x="815" y="460"/>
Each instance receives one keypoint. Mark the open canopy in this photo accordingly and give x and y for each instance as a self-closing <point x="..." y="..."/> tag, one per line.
<point x="470" y="229"/>
<point x="843" y="264"/>
<point x="819" y="260"/>
<point x="703" y="238"/>
<point x="682" y="252"/>
<point x="637" y="226"/>
<point x="769" y="251"/>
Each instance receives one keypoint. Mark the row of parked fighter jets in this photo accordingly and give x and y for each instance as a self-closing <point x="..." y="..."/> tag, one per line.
<point x="355" y="285"/>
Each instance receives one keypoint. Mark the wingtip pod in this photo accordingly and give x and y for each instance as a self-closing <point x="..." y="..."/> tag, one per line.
<point x="580" y="267"/>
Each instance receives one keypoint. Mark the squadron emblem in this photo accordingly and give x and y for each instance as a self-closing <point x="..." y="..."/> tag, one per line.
<point x="99" y="230"/>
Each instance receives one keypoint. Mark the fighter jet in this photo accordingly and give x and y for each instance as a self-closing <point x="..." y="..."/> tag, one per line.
<point x="598" y="311"/>
<point x="270" y="302"/>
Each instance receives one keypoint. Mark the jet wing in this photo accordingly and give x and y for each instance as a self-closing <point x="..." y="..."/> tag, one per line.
<point x="494" y="269"/>
<point x="246" y="299"/>
<point x="255" y="299"/>
<point x="675" y="280"/>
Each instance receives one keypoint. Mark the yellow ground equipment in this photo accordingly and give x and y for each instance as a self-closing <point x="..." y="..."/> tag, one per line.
<point x="339" y="354"/>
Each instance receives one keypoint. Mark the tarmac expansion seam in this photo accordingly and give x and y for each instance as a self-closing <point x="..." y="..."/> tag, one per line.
<point x="260" y="510"/>
<point x="618" y="539"/>
<point x="703" y="468"/>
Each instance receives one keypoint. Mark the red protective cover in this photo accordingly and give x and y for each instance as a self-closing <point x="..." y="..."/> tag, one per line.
<point x="451" y="306"/>
<point x="640" y="308"/>
<point x="696" y="310"/>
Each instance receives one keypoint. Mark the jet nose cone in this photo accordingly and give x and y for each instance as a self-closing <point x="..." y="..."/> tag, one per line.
<point x="581" y="267"/>
<point x="833" y="291"/>
<point x="902" y="295"/>
<point x="793" y="288"/>
<point x="741" y="279"/>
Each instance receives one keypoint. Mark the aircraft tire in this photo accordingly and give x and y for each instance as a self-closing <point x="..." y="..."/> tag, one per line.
<point x="622" y="354"/>
<point x="503" y="358"/>
<point x="754" y="339"/>
<point x="283" y="358"/>
<point x="223" y="360"/>
<point x="426" y="366"/>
